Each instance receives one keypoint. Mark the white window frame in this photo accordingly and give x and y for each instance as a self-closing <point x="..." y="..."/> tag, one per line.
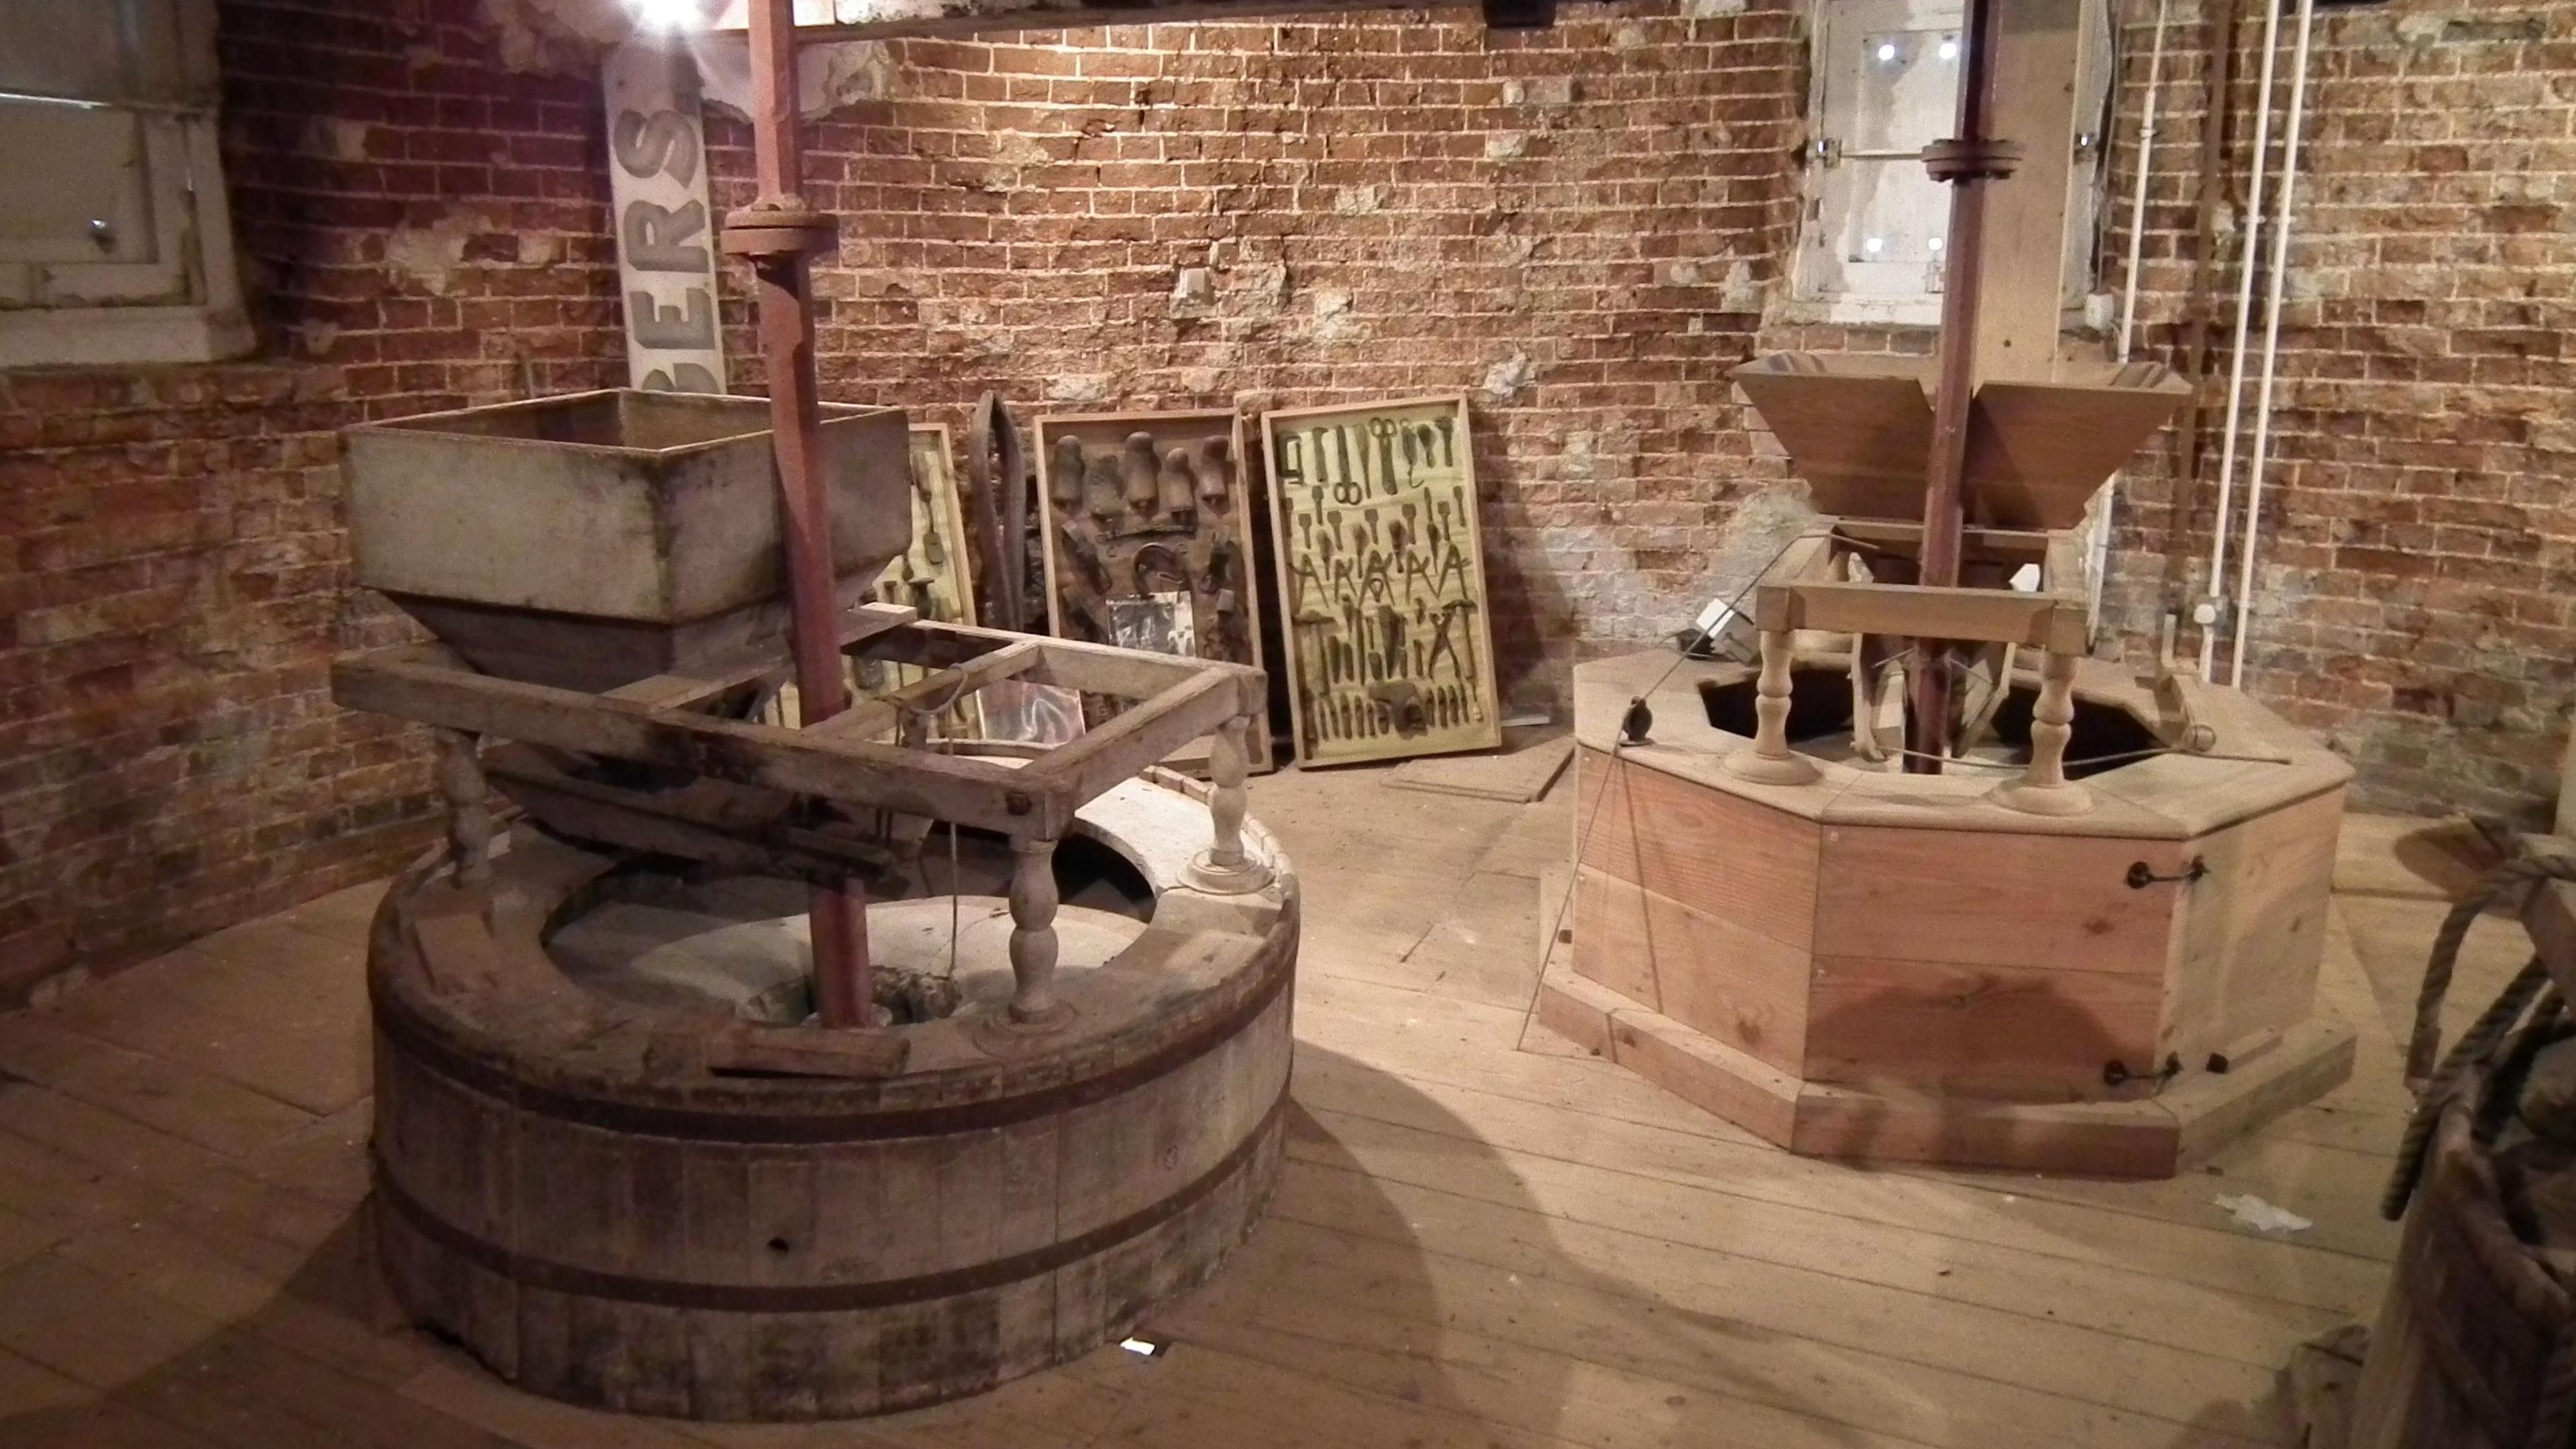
<point x="182" y="302"/>
<point x="1835" y="28"/>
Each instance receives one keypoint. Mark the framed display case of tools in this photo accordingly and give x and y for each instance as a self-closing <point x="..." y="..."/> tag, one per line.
<point x="1148" y="535"/>
<point x="1381" y="580"/>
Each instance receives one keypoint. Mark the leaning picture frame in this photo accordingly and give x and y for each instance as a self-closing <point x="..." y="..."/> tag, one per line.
<point x="1146" y="526"/>
<point x="1382" y="593"/>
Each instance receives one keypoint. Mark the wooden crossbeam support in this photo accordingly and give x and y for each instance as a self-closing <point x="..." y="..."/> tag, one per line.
<point x="1151" y="730"/>
<point x="2051" y="622"/>
<point x="1179" y="700"/>
<point x="941" y="688"/>
<point x="1976" y="545"/>
<point x="972" y="792"/>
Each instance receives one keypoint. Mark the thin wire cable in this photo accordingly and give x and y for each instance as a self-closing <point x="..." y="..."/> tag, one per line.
<point x="1619" y="742"/>
<point x="930" y="714"/>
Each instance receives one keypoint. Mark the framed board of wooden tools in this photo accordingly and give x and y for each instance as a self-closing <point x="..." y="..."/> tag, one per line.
<point x="1382" y="580"/>
<point x="1148" y="537"/>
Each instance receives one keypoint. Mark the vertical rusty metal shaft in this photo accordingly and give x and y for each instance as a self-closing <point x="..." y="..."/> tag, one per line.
<point x="1968" y="161"/>
<point x="778" y="235"/>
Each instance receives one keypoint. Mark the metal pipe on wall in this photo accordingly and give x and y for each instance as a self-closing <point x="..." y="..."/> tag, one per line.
<point x="2100" y="550"/>
<point x="2215" y="116"/>
<point x="2214" y="598"/>
<point x="2138" y="194"/>
<point x="2294" y="128"/>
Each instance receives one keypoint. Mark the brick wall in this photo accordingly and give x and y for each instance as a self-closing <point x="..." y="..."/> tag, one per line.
<point x="2416" y="586"/>
<point x="1576" y="226"/>
<point x="1585" y="227"/>
<point x="421" y="229"/>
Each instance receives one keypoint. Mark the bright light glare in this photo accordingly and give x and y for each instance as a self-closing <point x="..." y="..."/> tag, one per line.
<point x="669" y="15"/>
<point x="27" y="99"/>
<point x="1887" y="50"/>
<point x="1949" y="50"/>
<point x="1934" y="244"/>
<point x="1874" y="243"/>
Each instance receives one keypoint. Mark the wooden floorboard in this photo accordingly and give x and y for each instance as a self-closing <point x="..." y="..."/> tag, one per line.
<point x="1482" y="1237"/>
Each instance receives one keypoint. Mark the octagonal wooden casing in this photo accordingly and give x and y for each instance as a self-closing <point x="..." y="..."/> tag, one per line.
<point x="1888" y="965"/>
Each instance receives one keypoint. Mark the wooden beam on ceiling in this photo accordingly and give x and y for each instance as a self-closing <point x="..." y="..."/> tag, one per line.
<point x="949" y="18"/>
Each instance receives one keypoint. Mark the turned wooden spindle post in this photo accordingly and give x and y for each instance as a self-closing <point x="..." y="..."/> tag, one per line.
<point x="2052" y="722"/>
<point x="469" y="815"/>
<point x="1770" y="761"/>
<point x="2043" y="788"/>
<point x="1225" y="867"/>
<point x="1033" y="944"/>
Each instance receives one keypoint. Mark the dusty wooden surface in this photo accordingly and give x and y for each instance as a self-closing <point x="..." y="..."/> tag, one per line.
<point x="1470" y="1245"/>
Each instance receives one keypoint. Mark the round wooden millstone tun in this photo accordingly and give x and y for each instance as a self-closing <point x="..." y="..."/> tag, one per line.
<point x="685" y="1213"/>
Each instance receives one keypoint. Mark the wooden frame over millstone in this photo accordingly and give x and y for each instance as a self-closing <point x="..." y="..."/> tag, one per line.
<point x="682" y="721"/>
<point x="725" y="785"/>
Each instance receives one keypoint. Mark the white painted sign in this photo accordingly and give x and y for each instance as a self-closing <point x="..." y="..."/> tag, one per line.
<point x="666" y="233"/>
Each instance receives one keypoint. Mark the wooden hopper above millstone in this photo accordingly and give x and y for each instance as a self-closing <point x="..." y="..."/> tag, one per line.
<point x="1859" y="431"/>
<point x="594" y="539"/>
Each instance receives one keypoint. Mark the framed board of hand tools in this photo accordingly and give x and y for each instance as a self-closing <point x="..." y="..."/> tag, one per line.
<point x="1381" y="580"/>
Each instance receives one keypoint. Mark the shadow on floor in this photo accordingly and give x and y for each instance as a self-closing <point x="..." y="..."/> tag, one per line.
<point x="324" y="1342"/>
<point x="1457" y="1307"/>
<point x="1361" y="1312"/>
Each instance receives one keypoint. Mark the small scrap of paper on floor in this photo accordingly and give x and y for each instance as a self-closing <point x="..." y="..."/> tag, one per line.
<point x="2263" y="1217"/>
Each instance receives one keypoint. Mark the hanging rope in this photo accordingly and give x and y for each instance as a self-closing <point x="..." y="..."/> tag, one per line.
<point x="2515" y="877"/>
<point x="2437" y="1083"/>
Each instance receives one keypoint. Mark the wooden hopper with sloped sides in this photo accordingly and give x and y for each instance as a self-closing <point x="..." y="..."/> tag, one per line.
<point x="1859" y="431"/>
<point x="588" y="540"/>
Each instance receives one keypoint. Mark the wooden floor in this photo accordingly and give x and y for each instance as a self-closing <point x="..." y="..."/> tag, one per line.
<point x="1472" y="1244"/>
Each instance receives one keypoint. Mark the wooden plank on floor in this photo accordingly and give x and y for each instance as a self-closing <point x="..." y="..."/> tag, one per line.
<point x="344" y="915"/>
<point x="212" y="1195"/>
<point x="1364" y="1396"/>
<point x="326" y="1159"/>
<point x="59" y="1195"/>
<point x="292" y="1396"/>
<point x="28" y="1389"/>
<point x="1589" y="1111"/>
<point x="1476" y="950"/>
<point x="1548" y="1319"/>
<point x="1517" y="774"/>
<point x="22" y="1237"/>
<point x="330" y="1308"/>
<point x="193" y="1105"/>
<point x="1669" y="1283"/>
<point x="99" y="1424"/>
<point x="1539" y="839"/>
<point x="89" y="1328"/>
<point x="292" y="1025"/>
<point x="2123" y="1301"/>
<point x="1977" y="1211"/>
